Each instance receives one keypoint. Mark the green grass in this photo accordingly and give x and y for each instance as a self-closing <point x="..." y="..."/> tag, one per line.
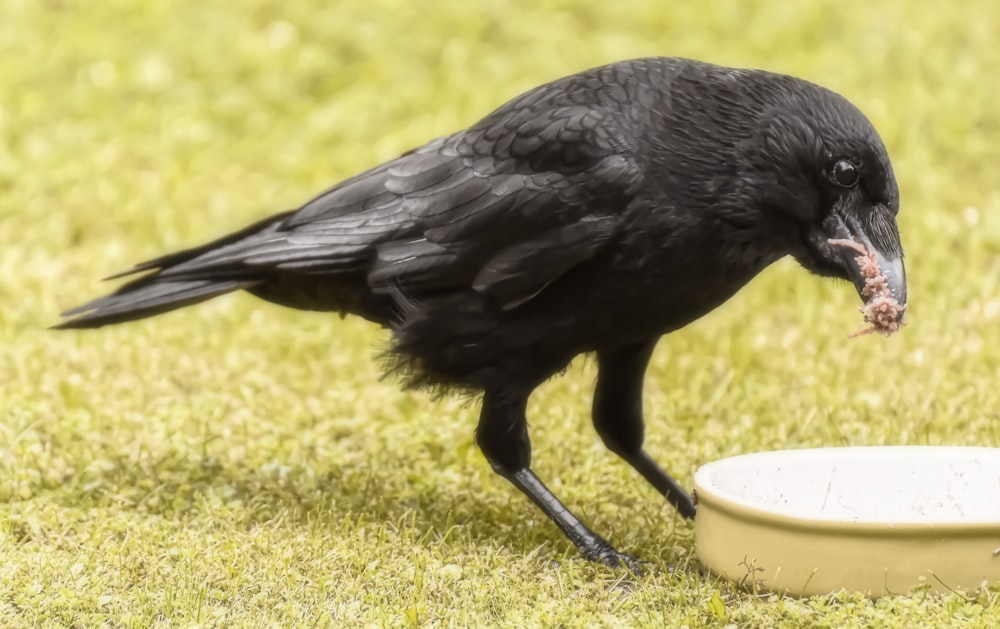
<point x="237" y="464"/>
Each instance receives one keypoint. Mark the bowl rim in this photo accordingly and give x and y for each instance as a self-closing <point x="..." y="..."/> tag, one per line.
<point x="714" y="496"/>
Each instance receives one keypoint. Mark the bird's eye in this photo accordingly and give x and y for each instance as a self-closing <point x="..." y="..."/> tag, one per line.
<point x="844" y="173"/>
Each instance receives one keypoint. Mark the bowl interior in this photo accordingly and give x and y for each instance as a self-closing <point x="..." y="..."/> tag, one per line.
<point x="900" y="484"/>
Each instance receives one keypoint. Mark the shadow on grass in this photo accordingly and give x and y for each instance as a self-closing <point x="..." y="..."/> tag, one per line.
<point x="425" y="510"/>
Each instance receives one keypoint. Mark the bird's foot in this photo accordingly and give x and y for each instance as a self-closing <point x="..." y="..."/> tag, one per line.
<point x="606" y="554"/>
<point x="689" y="506"/>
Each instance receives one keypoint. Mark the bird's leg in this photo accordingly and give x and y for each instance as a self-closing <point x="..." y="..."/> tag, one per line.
<point x="502" y="435"/>
<point x="618" y="417"/>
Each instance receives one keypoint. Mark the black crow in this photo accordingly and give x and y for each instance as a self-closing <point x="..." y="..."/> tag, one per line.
<point x="595" y="213"/>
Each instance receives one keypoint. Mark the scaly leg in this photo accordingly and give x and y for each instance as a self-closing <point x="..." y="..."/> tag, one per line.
<point x="502" y="435"/>
<point x="618" y="417"/>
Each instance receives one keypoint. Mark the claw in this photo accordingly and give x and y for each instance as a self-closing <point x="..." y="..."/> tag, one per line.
<point x="612" y="558"/>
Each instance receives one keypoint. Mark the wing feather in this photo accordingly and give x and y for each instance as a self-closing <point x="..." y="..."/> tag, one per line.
<point x="504" y="208"/>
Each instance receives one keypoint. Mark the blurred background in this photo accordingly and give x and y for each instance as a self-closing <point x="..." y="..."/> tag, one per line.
<point x="129" y="129"/>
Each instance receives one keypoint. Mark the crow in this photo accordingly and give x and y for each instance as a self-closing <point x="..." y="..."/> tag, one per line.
<point x="592" y="214"/>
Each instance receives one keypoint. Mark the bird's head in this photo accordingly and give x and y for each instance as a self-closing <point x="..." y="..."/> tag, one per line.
<point x="820" y="172"/>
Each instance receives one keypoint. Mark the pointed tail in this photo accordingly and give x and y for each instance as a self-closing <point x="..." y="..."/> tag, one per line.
<point x="167" y="289"/>
<point x="146" y="297"/>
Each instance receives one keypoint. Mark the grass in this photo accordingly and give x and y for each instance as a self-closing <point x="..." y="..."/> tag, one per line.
<point x="237" y="464"/>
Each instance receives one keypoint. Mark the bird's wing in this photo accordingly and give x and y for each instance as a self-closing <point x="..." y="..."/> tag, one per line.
<point x="505" y="207"/>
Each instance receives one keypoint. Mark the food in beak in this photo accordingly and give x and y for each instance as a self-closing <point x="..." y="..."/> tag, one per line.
<point x="881" y="309"/>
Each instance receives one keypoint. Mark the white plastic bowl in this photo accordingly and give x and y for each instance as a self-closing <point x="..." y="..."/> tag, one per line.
<point x="877" y="520"/>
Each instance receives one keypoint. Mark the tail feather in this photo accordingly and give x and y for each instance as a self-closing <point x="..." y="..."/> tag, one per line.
<point x="146" y="297"/>
<point x="164" y="289"/>
<point x="173" y="259"/>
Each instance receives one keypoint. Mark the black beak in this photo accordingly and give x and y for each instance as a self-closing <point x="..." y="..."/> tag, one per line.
<point x="890" y="265"/>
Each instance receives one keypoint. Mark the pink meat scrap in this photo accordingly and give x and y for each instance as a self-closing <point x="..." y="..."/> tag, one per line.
<point x="881" y="309"/>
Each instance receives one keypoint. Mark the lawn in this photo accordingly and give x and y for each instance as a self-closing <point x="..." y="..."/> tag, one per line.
<point x="238" y="464"/>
